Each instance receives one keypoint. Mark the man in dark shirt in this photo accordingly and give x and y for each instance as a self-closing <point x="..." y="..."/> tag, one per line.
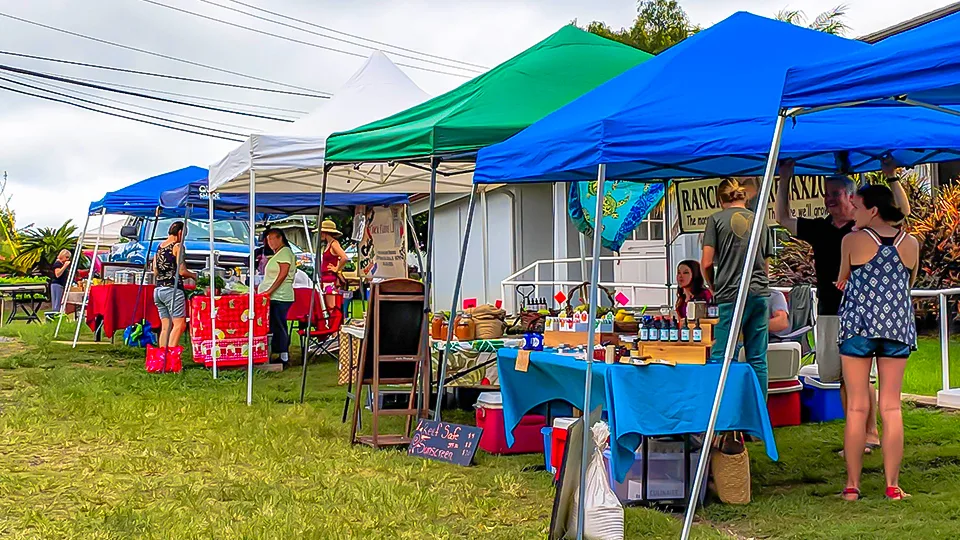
<point x="825" y="236"/>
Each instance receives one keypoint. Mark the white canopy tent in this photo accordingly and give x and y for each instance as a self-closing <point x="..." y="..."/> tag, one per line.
<point x="292" y="160"/>
<point x="109" y="234"/>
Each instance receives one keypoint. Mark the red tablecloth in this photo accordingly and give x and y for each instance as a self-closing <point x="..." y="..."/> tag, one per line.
<point x="116" y="303"/>
<point x="232" y="329"/>
<point x="300" y="309"/>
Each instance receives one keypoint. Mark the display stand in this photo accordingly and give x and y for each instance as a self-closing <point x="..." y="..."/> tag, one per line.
<point x="393" y="353"/>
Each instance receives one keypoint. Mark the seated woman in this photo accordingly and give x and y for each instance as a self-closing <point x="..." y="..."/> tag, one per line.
<point x="690" y="286"/>
<point x="779" y="324"/>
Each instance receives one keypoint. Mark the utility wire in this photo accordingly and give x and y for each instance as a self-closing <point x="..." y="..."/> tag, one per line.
<point x="73" y="92"/>
<point x="120" y="115"/>
<point x="98" y="104"/>
<point x="135" y="94"/>
<point x="292" y="40"/>
<point x="457" y="65"/>
<point x="323" y="95"/>
<point x="328" y="29"/>
<point x="200" y="98"/>
<point x="156" y="54"/>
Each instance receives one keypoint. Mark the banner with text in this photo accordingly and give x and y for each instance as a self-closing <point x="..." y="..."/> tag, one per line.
<point x="697" y="200"/>
<point x="383" y="247"/>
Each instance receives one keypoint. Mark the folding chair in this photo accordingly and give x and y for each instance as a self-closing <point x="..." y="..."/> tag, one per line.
<point x="802" y="322"/>
<point x="324" y="330"/>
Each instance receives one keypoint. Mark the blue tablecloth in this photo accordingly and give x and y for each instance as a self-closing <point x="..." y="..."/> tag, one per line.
<point x="639" y="400"/>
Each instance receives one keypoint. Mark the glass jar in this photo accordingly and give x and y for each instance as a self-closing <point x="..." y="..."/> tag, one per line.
<point x="436" y="327"/>
<point x="466" y="329"/>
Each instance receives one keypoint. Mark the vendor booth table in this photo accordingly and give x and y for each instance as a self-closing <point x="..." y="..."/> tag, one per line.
<point x="26" y="300"/>
<point x="640" y="401"/>
<point x="113" y="307"/>
<point x="232" y="330"/>
<point x="470" y="362"/>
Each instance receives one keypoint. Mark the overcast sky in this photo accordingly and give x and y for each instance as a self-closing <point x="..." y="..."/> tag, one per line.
<point x="59" y="158"/>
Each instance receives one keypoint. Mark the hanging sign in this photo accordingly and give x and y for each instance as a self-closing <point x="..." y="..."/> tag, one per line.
<point x="697" y="200"/>
<point x="383" y="247"/>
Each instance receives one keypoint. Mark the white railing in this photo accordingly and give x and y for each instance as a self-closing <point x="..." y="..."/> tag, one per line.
<point x="515" y="280"/>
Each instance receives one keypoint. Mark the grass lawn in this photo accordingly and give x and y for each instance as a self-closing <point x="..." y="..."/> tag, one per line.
<point x="94" y="447"/>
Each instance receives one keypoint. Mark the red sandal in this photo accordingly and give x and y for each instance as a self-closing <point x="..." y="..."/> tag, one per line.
<point x="851" y="491"/>
<point x="896" y="494"/>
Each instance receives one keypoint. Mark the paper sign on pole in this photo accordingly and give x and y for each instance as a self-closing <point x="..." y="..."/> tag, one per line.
<point x="383" y="248"/>
<point x="697" y="200"/>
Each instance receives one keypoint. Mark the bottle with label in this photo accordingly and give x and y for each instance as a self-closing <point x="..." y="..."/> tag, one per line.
<point x="665" y="329"/>
<point x="674" y="330"/>
<point x="685" y="331"/>
<point x="697" y="333"/>
<point x="655" y="329"/>
<point x="644" y="332"/>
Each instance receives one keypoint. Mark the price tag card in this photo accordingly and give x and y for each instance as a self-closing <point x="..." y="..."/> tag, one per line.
<point x="523" y="361"/>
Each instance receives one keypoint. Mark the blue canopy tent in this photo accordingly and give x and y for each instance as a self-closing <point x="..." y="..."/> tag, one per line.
<point x="704" y="108"/>
<point x="917" y="69"/>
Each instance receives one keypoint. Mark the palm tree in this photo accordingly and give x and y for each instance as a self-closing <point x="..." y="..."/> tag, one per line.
<point x="830" y="21"/>
<point x="39" y="247"/>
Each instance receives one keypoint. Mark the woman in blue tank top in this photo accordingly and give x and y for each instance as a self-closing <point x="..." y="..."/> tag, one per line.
<point x="878" y="266"/>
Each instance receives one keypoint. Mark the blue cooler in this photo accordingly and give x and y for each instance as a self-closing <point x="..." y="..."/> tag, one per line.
<point x="819" y="401"/>
<point x="547" y="433"/>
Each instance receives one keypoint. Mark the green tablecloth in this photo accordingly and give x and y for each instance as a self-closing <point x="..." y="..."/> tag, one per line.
<point x="467" y="355"/>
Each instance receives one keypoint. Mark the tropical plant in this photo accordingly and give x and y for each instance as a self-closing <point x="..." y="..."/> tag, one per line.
<point x="660" y="24"/>
<point x="830" y="21"/>
<point x="39" y="248"/>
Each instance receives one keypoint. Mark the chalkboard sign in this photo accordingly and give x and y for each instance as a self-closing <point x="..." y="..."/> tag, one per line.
<point x="443" y="441"/>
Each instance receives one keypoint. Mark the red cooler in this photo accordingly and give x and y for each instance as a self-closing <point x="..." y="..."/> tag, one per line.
<point x="783" y="403"/>
<point x="558" y="443"/>
<point x="527" y="438"/>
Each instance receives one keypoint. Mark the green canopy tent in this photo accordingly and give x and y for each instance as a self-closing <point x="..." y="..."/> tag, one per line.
<point x="432" y="147"/>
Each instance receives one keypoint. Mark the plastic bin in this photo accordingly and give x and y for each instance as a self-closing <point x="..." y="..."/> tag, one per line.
<point x="558" y="443"/>
<point x="527" y="438"/>
<point x="783" y="403"/>
<point x="664" y="475"/>
<point x="819" y="401"/>
<point x="547" y="433"/>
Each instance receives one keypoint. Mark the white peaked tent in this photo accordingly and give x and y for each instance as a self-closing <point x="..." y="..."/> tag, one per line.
<point x="292" y="160"/>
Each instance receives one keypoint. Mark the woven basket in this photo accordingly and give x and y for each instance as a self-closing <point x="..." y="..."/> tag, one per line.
<point x="731" y="476"/>
<point x="488" y="321"/>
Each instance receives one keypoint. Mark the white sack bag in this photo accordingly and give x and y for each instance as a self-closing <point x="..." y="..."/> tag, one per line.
<point x="603" y="514"/>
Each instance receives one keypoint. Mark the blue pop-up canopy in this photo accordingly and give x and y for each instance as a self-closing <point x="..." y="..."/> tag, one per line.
<point x="277" y="204"/>
<point x="142" y="198"/>
<point x="707" y="108"/>
<point x="922" y="65"/>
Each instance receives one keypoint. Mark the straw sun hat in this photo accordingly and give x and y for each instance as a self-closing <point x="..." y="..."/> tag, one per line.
<point x="329" y="227"/>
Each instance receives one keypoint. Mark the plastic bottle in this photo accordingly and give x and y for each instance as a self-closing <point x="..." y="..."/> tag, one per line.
<point x="644" y="330"/>
<point x="685" y="331"/>
<point x="665" y="330"/>
<point x="697" y="333"/>
<point x="674" y="330"/>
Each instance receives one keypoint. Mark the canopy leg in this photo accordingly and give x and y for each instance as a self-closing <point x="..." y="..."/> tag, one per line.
<point x="427" y="385"/>
<point x="213" y="282"/>
<point x="591" y="335"/>
<point x="745" y="275"/>
<point x="86" y="292"/>
<point x="62" y="308"/>
<point x="251" y="293"/>
<point x="456" y="299"/>
<point x="317" y="270"/>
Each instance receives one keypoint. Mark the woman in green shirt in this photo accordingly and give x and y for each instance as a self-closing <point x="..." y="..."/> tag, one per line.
<point x="278" y="285"/>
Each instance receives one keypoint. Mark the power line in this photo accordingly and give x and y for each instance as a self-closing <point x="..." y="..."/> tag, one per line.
<point x="462" y="65"/>
<point x="82" y="100"/>
<point x="200" y="98"/>
<point x="322" y="95"/>
<point x="292" y="40"/>
<point x="328" y="29"/>
<point x="135" y="94"/>
<point x="120" y="115"/>
<point x="121" y="102"/>
<point x="152" y="53"/>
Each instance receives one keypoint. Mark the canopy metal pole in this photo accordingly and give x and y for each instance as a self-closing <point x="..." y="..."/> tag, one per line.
<point x="251" y="293"/>
<point x="591" y="335"/>
<point x="317" y="271"/>
<point x="456" y="299"/>
<point x="213" y="283"/>
<point x="70" y="275"/>
<point x="86" y="291"/>
<point x="667" y="243"/>
<point x="945" y="342"/>
<point x="738" y="309"/>
<point x="427" y="282"/>
<point x="306" y="230"/>
<point x="485" y="246"/>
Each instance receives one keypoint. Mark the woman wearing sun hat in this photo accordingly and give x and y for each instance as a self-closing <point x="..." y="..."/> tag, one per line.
<point x="333" y="258"/>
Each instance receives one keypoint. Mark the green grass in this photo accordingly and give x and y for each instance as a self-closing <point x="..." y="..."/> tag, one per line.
<point x="924" y="374"/>
<point x="94" y="447"/>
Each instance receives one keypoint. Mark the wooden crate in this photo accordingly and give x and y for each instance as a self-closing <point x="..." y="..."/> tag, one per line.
<point x="556" y="338"/>
<point x="681" y="353"/>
